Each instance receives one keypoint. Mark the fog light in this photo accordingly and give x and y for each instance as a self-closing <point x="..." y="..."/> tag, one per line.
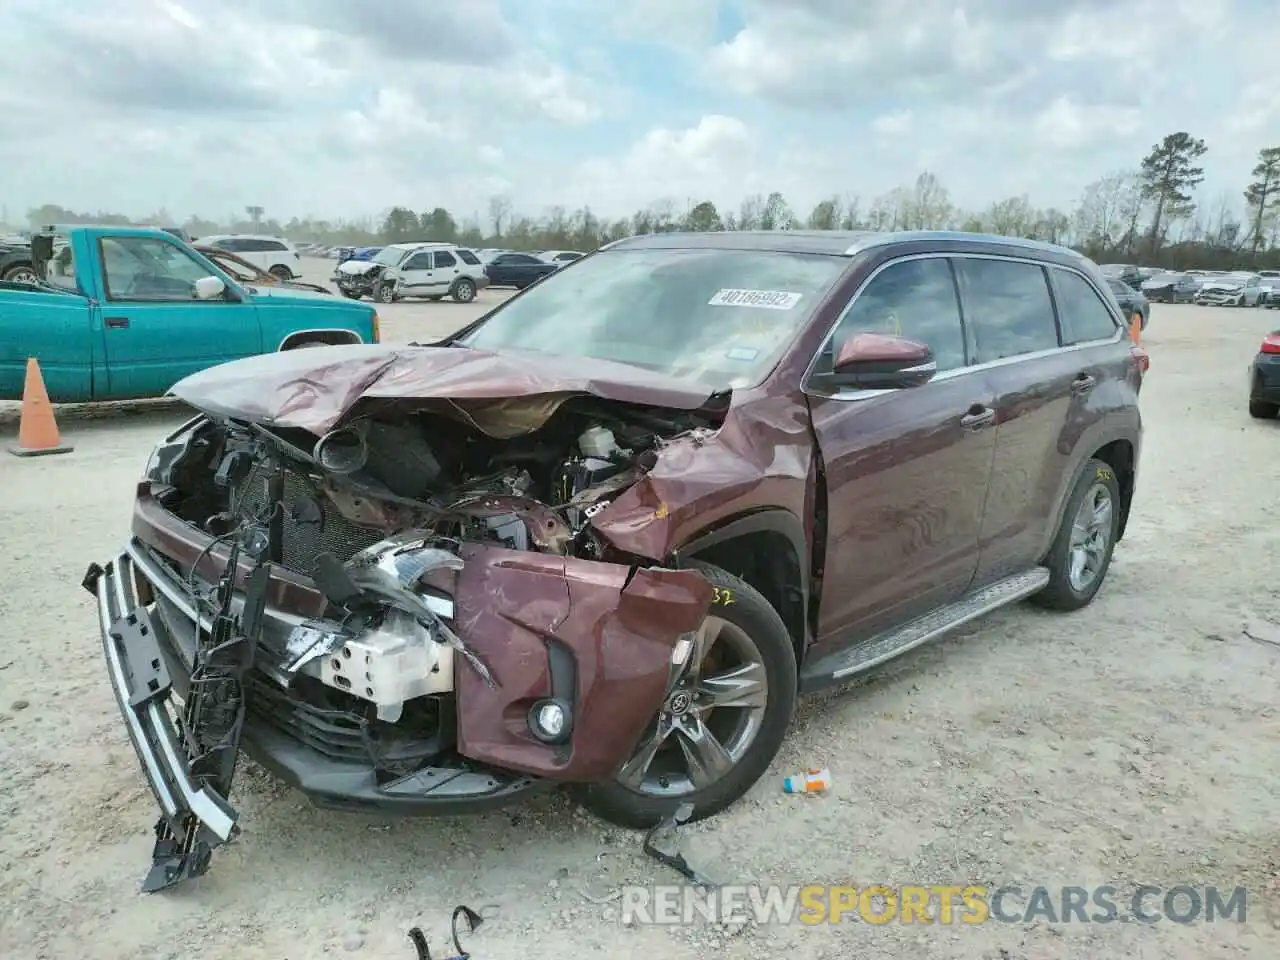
<point x="549" y="720"/>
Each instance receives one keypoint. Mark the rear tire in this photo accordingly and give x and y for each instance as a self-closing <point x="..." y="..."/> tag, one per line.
<point x="1261" y="410"/>
<point x="464" y="291"/>
<point x="747" y="614"/>
<point x="1085" y="541"/>
<point x="22" y="273"/>
<point x="281" y="272"/>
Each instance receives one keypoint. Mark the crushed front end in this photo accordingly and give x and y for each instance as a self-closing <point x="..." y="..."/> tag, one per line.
<point x="404" y="614"/>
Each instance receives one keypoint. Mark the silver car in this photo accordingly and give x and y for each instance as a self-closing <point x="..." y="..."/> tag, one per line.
<point x="1270" y="284"/>
<point x="1231" y="290"/>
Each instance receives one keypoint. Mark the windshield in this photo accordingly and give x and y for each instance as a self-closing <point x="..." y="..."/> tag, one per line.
<point x="389" y="256"/>
<point x="1167" y="278"/>
<point x="720" y="317"/>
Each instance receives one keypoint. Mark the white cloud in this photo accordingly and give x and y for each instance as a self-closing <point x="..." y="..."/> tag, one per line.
<point x="688" y="24"/>
<point x="713" y="158"/>
<point x="305" y="106"/>
<point x="894" y="124"/>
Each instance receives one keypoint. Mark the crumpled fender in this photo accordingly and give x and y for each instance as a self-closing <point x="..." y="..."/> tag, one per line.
<point x="620" y="626"/>
<point x="762" y="459"/>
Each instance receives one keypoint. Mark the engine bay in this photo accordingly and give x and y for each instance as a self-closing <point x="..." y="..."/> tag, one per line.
<point x="535" y="491"/>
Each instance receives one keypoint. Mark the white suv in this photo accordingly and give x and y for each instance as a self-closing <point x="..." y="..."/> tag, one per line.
<point x="272" y="254"/>
<point x="429" y="270"/>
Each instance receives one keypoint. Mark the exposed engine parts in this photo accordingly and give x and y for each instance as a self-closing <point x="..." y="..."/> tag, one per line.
<point x="374" y="512"/>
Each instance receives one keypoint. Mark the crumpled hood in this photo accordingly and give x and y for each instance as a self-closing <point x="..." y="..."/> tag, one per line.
<point x="502" y="394"/>
<point x="356" y="267"/>
<point x="1222" y="285"/>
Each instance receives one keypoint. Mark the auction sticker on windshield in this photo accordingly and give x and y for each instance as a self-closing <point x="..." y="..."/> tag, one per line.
<point x="765" y="299"/>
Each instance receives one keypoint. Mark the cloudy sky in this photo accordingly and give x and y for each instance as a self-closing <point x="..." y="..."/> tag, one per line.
<point x="344" y="107"/>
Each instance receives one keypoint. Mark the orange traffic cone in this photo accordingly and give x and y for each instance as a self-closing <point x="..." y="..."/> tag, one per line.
<point x="38" y="430"/>
<point x="1135" y="328"/>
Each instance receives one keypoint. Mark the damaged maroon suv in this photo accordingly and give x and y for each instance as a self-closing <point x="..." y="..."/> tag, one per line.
<point x="604" y="536"/>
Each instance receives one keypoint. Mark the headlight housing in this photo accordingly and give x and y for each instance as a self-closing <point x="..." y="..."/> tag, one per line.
<point x="167" y="450"/>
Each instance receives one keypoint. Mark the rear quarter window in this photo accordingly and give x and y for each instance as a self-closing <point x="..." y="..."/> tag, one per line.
<point x="1007" y="307"/>
<point x="469" y="258"/>
<point x="1084" y="315"/>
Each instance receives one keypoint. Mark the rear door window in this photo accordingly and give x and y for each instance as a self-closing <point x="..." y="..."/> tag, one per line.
<point x="1007" y="307"/>
<point x="445" y="259"/>
<point x="1083" y="313"/>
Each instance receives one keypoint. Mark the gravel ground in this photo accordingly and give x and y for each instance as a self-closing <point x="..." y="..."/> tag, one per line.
<point x="1126" y="744"/>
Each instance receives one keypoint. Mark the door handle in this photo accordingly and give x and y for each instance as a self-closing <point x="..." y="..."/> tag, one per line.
<point x="978" y="417"/>
<point x="1083" y="383"/>
<point x="117" y="323"/>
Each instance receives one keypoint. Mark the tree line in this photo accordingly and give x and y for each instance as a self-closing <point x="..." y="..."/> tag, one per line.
<point x="1146" y="215"/>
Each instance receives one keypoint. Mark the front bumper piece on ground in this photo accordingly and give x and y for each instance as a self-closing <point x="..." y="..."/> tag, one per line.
<point x="194" y="819"/>
<point x="149" y="666"/>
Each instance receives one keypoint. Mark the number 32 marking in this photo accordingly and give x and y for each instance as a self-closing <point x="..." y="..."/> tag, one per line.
<point x="721" y="596"/>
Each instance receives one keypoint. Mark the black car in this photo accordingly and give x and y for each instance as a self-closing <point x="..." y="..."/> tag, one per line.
<point x="1131" y="301"/>
<point x="1126" y="273"/>
<point x="15" y="263"/>
<point x="1264" y="379"/>
<point x="1170" y="288"/>
<point x="517" y="270"/>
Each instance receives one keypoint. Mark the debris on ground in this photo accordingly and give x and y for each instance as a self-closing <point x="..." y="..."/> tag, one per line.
<point x="675" y="861"/>
<point x="460" y="912"/>
<point x="811" y="781"/>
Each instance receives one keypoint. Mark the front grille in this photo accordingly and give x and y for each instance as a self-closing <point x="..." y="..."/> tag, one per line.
<point x="303" y="542"/>
<point x="338" y="734"/>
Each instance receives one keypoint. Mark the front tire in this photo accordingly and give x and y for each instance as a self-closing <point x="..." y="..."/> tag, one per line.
<point x="464" y="291"/>
<point x="741" y="691"/>
<point x="281" y="272"/>
<point x="1081" y="553"/>
<point x="384" y="292"/>
<point x="1261" y="410"/>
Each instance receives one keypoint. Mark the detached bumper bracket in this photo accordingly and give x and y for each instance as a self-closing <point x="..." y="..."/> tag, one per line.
<point x="194" y="818"/>
<point x="146" y="673"/>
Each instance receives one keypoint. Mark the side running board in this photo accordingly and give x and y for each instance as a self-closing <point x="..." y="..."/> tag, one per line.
<point x="846" y="663"/>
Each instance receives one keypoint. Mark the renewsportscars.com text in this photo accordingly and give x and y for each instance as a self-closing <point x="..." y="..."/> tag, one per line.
<point x="817" y="904"/>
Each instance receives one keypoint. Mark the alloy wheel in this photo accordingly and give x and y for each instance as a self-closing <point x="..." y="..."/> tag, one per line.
<point x="711" y="716"/>
<point x="1090" y="537"/>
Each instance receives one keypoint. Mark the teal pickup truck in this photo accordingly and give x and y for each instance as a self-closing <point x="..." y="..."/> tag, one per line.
<point x="123" y="313"/>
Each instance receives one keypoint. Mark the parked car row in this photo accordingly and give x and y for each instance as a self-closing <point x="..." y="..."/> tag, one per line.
<point x="434" y="270"/>
<point x="1223" y="288"/>
<point x="431" y="271"/>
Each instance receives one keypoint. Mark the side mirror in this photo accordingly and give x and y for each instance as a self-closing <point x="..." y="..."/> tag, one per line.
<point x="875" y="361"/>
<point x="209" y="288"/>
